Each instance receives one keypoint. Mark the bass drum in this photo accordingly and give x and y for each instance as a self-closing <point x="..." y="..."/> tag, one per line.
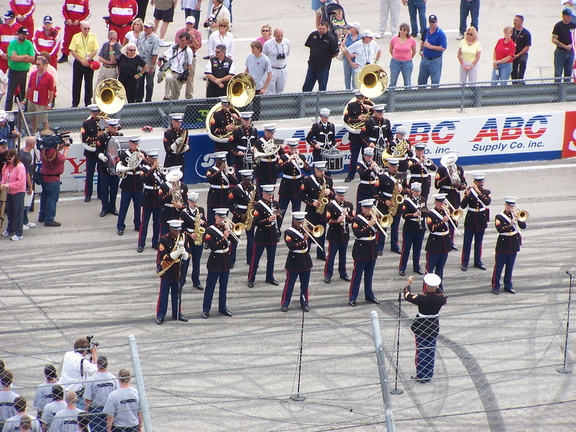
<point x="116" y="144"/>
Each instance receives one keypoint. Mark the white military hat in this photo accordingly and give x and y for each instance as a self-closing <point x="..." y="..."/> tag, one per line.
<point x="153" y="152"/>
<point x="247" y="114"/>
<point x="439" y="197"/>
<point x="379" y="107"/>
<point x="401" y="130"/>
<point x="393" y="161"/>
<point x="269" y="188"/>
<point x="367" y="202"/>
<point x="224" y="100"/>
<point x="479" y="176"/>
<point x="420" y="146"/>
<point x="416" y="186"/>
<point x="292" y="142"/>
<point x="432" y="280"/>
<point x="369" y="151"/>
<point x="174" y="175"/>
<point x="177" y="116"/>
<point x="193" y="196"/>
<point x="221" y="155"/>
<point x="270" y="127"/>
<point x="320" y="165"/>
<point x="325" y="112"/>
<point x="93" y="108"/>
<point x="134" y="138"/>
<point x="246" y="173"/>
<point x="175" y="224"/>
<point x="221" y="211"/>
<point x="113" y="122"/>
<point x="510" y="200"/>
<point x="341" y="190"/>
<point x="299" y="216"/>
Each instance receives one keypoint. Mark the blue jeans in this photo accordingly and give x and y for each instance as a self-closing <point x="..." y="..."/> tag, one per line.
<point x="469" y="7"/>
<point x="48" y="201"/>
<point x="397" y="66"/>
<point x="349" y="81"/>
<point x="97" y="419"/>
<point x="430" y="69"/>
<point x="504" y="71"/>
<point x="563" y="63"/>
<point x="313" y="75"/>
<point x="417" y="7"/>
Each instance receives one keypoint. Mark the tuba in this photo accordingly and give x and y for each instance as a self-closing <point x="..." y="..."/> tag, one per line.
<point x="448" y="161"/>
<point x="110" y="96"/>
<point x="240" y="91"/>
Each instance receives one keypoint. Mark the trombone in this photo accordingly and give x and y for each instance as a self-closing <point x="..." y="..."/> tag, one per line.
<point x="235" y="229"/>
<point x="454" y="214"/>
<point x="317" y="232"/>
<point x="520" y="215"/>
<point x="382" y="221"/>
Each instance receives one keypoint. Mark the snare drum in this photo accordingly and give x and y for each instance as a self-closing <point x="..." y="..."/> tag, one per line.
<point x="334" y="159"/>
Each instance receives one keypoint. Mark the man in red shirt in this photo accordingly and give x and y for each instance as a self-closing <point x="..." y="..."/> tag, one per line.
<point x="7" y="34"/>
<point x="40" y="93"/>
<point x="73" y="12"/>
<point x="53" y="160"/>
<point x="121" y="15"/>
<point x="24" y="11"/>
<point x="47" y="39"/>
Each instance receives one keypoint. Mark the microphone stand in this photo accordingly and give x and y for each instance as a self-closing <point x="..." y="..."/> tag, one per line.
<point x="297" y="397"/>
<point x="563" y="370"/>
<point x="396" y="390"/>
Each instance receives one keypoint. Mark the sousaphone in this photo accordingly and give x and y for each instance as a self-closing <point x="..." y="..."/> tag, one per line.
<point x="110" y="96"/>
<point x="240" y="91"/>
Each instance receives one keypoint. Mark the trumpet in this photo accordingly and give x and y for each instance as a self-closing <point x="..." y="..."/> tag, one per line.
<point x="229" y="170"/>
<point x="454" y="214"/>
<point x="316" y="232"/>
<point x="520" y="215"/>
<point x="235" y="229"/>
<point x="299" y="161"/>
<point x="382" y="221"/>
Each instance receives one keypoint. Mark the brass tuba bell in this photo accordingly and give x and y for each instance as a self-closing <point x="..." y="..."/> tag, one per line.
<point x="110" y="96"/>
<point x="372" y="80"/>
<point x="240" y="90"/>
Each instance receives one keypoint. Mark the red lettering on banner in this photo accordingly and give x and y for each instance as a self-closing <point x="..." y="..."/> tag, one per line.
<point x="569" y="138"/>
<point x="489" y="131"/>
<point x="76" y="166"/>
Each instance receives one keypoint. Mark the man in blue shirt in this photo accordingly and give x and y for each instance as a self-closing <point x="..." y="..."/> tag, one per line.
<point x="432" y="47"/>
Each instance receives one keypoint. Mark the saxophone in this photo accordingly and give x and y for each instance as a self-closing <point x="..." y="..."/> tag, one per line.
<point x="322" y="200"/>
<point x="250" y="211"/>
<point x="199" y="230"/>
<point x="396" y="199"/>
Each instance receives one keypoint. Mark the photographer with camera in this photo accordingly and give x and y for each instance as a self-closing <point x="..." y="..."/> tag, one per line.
<point x="79" y="365"/>
<point x="277" y="49"/>
<point x="180" y="60"/>
<point x="54" y="151"/>
<point x="218" y="13"/>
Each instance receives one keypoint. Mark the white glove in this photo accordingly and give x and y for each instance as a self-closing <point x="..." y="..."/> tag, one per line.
<point x="122" y="168"/>
<point x="102" y="157"/>
<point x="186" y="148"/>
<point x="174" y="147"/>
<point x="175" y="254"/>
<point x="184" y="254"/>
<point x="178" y="141"/>
<point x="88" y="147"/>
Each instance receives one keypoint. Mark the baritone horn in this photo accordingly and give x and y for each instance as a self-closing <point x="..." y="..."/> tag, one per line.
<point x="110" y="96"/>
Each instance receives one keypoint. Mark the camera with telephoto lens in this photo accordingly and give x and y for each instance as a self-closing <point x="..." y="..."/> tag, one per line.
<point x="183" y="77"/>
<point x="54" y="140"/>
<point x="210" y="20"/>
<point x="93" y="343"/>
<point x="280" y="56"/>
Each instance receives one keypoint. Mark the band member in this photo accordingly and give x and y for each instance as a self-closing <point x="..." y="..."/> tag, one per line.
<point x="438" y="245"/>
<point x="217" y="238"/>
<point x="356" y="113"/>
<point x="426" y="325"/>
<point x="476" y="198"/>
<point x="224" y="122"/>
<point x="369" y="172"/>
<point x="109" y="181"/>
<point x="266" y="235"/>
<point x="419" y="168"/>
<point x="298" y="262"/>
<point x="401" y="147"/>
<point x="131" y="165"/>
<point x="175" y="143"/>
<point x="151" y="204"/>
<point x="377" y="132"/>
<point x="90" y="131"/>
<point x="322" y="135"/>
<point x="339" y="215"/>
<point x="194" y="225"/>
<point x="221" y="177"/>
<point x="413" y="213"/>
<point x="241" y="200"/>
<point x="265" y="171"/>
<point x="316" y="192"/>
<point x="171" y="252"/>
<point x="291" y="165"/>
<point x="389" y="188"/>
<point x="242" y="141"/>
<point x="508" y="244"/>
<point x="364" y="253"/>
<point x="173" y="194"/>
<point x="451" y="183"/>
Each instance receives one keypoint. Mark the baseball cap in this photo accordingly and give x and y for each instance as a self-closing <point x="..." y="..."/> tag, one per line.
<point x="47" y="19"/>
<point x="432" y="18"/>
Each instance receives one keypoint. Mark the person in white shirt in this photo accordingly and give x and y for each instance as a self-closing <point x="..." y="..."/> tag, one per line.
<point x="181" y="59"/>
<point x="221" y="37"/>
<point x="77" y="367"/>
<point x="277" y="50"/>
<point x="366" y="51"/>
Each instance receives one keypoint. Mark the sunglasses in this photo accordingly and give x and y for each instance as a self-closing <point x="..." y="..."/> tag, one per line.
<point x="469" y="34"/>
<point x="217" y="52"/>
<point x="223" y="25"/>
<point x="403" y="29"/>
<point x="132" y="50"/>
<point x="265" y="30"/>
<point x="86" y="28"/>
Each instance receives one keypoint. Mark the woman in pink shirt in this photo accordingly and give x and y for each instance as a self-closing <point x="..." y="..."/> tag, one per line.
<point x="402" y="51"/>
<point x="14" y="181"/>
<point x="266" y="34"/>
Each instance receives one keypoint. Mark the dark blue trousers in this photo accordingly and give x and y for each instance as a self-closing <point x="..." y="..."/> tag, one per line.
<point x="258" y="250"/>
<point x="168" y="288"/>
<point x="335" y="248"/>
<point x="435" y="263"/>
<point x="146" y="213"/>
<point x="283" y="203"/>
<point x="211" y="280"/>
<point x="502" y="260"/>
<point x="291" y="277"/>
<point x="249" y="247"/>
<point x="109" y="190"/>
<point x="125" y="199"/>
<point x="425" y="353"/>
<point x="411" y="241"/>
<point x="89" y="183"/>
<point x="477" y="236"/>
<point x="365" y="268"/>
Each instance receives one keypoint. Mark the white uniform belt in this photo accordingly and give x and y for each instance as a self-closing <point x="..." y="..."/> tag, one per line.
<point x="440" y="233"/>
<point x="419" y="315"/>
<point x="476" y="210"/>
<point x="267" y="159"/>
<point x="373" y="139"/>
<point x="150" y="187"/>
<point x="133" y="172"/>
<point x="366" y="181"/>
<point x="169" y="205"/>
<point x="242" y="207"/>
<point x="366" y="238"/>
<point x="509" y="234"/>
<point x="418" y="175"/>
<point x="389" y="195"/>
<point x="300" y="251"/>
<point x="415" y="219"/>
<point x="286" y="176"/>
<point x="219" y="186"/>
<point x="447" y="187"/>
<point x="221" y="251"/>
<point x="241" y="148"/>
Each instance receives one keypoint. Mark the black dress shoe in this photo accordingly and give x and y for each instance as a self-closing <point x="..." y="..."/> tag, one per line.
<point x="420" y="272"/>
<point x="182" y="318"/>
<point x="52" y="224"/>
<point x="510" y="290"/>
<point x="352" y="303"/>
<point x="373" y="300"/>
<point x="205" y="315"/>
<point x="464" y="268"/>
<point x="480" y="266"/>
<point x="348" y="179"/>
<point x="272" y="282"/>
<point x="159" y="321"/>
<point x="495" y="291"/>
<point x="63" y="59"/>
<point x="250" y="284"/>
<point x="380" y="253"/>
<point x="102" y="214"/>
<point x="206" y="57"/>
<point x="225" y="312"/>
<point x="140" y="249"/>
<point x="87" y="199"/>
<point x="199" y="287"/>
<point x="120" y="232"/>
<point x="326" y="280"/>
<point x="346" y="278"/>
<point x="284" y="308"/>
<point x="454" y="247"/>
<point x="155" y="247"/>
<point x="398" y="251"/>
<point x="401" y="272"/>
<point x="420" y="380"/>
<point x="114" y="212"/>
<point x="306" y="308"/>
